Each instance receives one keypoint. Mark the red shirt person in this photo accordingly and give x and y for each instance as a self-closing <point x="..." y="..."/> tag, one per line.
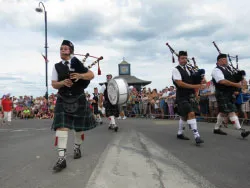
<point x="7" y="108"/>
<point x="7" y="105"/>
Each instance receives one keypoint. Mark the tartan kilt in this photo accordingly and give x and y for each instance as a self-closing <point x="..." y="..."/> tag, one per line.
<point x="111" y="110"/>
<point x="81" y="120"/>
<point x="226" y="102"/>
<point x="186" y="106"/>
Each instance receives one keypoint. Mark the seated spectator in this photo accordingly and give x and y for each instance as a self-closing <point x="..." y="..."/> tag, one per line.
<point x="51" y="114"/>
<point x="39" y="115"/>
<point x="25" y="113"/>
<point x="19" y="110"/>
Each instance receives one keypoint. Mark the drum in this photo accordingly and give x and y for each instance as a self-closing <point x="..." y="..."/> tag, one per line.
<point x="118" y="92"/>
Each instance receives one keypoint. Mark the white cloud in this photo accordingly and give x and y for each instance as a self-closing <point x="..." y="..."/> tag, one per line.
<point x="136" y="30"/>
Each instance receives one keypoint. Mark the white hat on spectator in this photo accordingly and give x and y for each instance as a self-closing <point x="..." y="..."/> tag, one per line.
<point x="130" y="88"/>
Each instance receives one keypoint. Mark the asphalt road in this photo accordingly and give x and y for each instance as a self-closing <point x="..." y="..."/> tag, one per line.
<point x="144" y="153"/>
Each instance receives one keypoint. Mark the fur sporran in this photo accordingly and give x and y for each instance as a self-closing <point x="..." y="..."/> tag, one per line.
<point x="70" y="104"/>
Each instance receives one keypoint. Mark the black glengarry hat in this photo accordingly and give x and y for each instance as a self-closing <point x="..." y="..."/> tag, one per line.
<point x="68" y="43"/>
<point x="183" y="53"/>
<point x="220" y="56"/>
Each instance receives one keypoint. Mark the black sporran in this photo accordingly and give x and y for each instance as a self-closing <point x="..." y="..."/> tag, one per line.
<point x="194" y="103"/>
<point x="70" y="104"/>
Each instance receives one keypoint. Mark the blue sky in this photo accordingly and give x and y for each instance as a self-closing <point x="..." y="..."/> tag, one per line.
<point x="136" y="30"/>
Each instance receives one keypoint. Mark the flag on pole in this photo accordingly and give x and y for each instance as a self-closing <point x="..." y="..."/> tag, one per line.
<point x="45" y="58"/>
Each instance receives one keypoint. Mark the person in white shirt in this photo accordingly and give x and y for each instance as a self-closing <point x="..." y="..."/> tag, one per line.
<point x="111" y="111"/>
<point x="72" y="111"/>
<point x="94" y="99"/>
<point x="225" y="87"/>
<point x="185" y="97"/>
<point x="213" y="105"/>
<point x="15" y="103"/>
<point x="171" y="95"/>
<point x="163" y="104"/>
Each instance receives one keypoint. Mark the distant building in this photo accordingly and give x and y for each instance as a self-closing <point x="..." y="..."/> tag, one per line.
<point x="124" y="70"/>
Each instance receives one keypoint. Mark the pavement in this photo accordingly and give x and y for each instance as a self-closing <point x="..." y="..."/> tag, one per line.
<point x="144" y="153"/>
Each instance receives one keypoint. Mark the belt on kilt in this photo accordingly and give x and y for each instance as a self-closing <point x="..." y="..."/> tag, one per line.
<point x="189" y="98"/>
<point x="221" y="96"/>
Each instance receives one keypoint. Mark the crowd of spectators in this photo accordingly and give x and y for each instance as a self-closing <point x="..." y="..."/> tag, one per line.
<point x="161" y="104"/>
<point x="147" y="103"/>
<point x="27" y="107"/>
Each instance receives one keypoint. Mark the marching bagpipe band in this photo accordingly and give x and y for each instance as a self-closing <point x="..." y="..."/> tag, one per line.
<point x="237" y="73"/>
<point x="197" y="74"/>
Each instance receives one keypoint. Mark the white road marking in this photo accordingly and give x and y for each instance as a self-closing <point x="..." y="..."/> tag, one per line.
<point x="24" y="129"/>
<point x="133" y="160"/>
<point x="19" y="130"/>
<point x="42" y="129"/>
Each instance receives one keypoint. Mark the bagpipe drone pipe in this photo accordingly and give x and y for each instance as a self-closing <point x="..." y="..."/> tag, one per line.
<point x="81" y="63"/>
<point x="237" y="73"/>
<point x="196" y="73"/>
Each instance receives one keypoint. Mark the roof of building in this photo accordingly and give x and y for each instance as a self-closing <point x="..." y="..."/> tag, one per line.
<point x="132" y="80"/>
<point x="124" y="62"/>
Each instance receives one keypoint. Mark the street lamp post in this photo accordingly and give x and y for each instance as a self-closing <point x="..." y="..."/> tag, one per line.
<point x="40" y="10"/>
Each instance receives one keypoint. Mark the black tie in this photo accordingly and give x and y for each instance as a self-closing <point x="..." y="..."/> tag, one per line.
<point x="66" y="64"/>
<point x="185" y="69"/>
<point x="229" y="70"/>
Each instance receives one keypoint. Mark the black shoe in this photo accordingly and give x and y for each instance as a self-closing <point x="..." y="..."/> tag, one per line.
<point x="60" y="164"/>
<point x="244" y="134"/>
<point x="182" y="137"/>
<point x="77" y="153"/>
<point x="112" y="126"/>
<point x="219" y="131"/>
<point x="116" y="129"/>
<point x="198" y="141"/>
<point x="101" y="122"/>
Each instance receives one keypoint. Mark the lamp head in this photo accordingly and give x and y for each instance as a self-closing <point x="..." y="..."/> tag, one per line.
<point x="39" y="9"/>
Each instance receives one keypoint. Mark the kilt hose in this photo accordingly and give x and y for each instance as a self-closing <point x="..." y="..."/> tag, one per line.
<point x="111" y="110"/>
<point x="80" y="120"/>
<point x="226" y="102"/>
<point x="187" y="105"/>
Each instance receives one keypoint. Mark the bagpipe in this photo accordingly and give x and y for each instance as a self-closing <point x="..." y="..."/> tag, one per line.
<point x="237" y="73"/>
<point x="98" y="59"/>
<point x="76" y="65"/>
<point x="196" y="73"/>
